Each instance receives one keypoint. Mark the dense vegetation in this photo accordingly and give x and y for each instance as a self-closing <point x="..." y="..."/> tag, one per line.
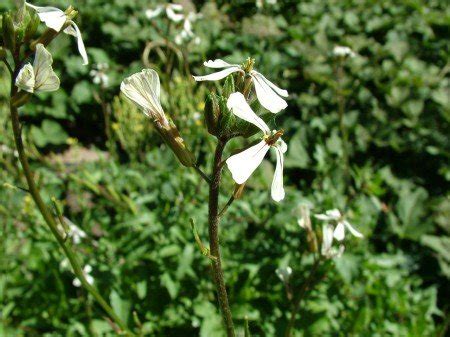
<point x="366" y="134"/>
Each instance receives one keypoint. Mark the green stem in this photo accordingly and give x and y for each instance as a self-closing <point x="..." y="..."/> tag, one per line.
<point x="214" y="245"/>
<point x="50" y="220"/>
<point x="298" y="301"/>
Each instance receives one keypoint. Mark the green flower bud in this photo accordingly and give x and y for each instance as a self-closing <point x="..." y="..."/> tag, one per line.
<point x="212" y="113"/>
<point x="228" y="87"/>
<point x="31" y="27"/>
<point x="9" y="36"/>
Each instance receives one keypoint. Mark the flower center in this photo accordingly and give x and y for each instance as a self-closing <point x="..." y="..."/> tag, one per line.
<point x="273" y="138"/>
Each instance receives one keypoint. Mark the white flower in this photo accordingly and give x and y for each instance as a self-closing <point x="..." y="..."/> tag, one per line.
<point x="87" y="274"/>
<point x="342" y="224"/>
<point x="144" y="90"/>
<point x="172" y="12"/>
<point x="99" y="75"/>
<point x="284" y="273"/>
<point x="55" y="19"/>
<point x="40" y="76"/>
<point x="75" y="232"/>
<point x="268" y="93"/>
<point x="343" y="51"/>
<point x="327" y="240"/>
<point x="244" y="163"/>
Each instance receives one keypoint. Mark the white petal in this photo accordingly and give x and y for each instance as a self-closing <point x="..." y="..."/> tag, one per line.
<point x="218" y="63"/>
<point x="323" y="217"/>
<point x="75" y="31"/>
<point x="339" y="232"/>
<point x="144" y="90"/>
<point x="218" y="75"/>
<point x="277" y="189"/>
<point x="175" y="17"/>
<point x="277" y="89"/>
<point x="46" y="79"/>
<point x="153" y="13"/>
<point x="334" y="213"/>
<point x="266" y="96"/>
<point x="25" y="79"/>
<point x="87" y="269"/>
<point x="175" y="7"/>
<point x="243" y="164"/>
<point x="283" y="147"/>
<point x="53" y="18"/>
<point x="327" y="239"/>
<point x="239" y="106"/>
<point x="352" y="229"/>
<point x="77" y="283"/>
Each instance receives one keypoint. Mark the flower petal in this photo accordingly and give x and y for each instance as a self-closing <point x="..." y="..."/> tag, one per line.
<point x="277" y="190"/>
<point x="266" y="95"/>
<point x="75" y="31"/>
<point x="25" y="79"/>
<point x="143" y="89"/>
<point x="275" y="88"/>
<point x="153" y="13"/>
<point x="218" y="75"/>
<point x="339" y="232"/>
<point x="218" y="63"/>
<point x="239" y="106"/>
<point x="175" y="17"/>
<point x="45" y="77"/>
<point x="327" y="239"/>
<point x="243" y="164"/>
<point x="352" y="229"/>
<point x="53" y="17"/>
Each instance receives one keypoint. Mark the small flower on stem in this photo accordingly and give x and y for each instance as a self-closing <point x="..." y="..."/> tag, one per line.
<point x="268" y="93"/>
<point x="284" y="273"/>
<point x="40" y="76"/>
<point x="342" y="51"/>
<point x="327" y="250"/>
<point x="243" y="164"/>
<point x="87" y="274"/>
<point x="99" y="75"/>
<point x="144" y="90"/>
<point x="55" y="19"/>
<point x="75" y="232"/>
<point x="335" y="215"/>
<point x="173" y="12"/>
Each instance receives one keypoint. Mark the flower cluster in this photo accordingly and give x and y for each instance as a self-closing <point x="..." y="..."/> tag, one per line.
<point x="244" y="163"/>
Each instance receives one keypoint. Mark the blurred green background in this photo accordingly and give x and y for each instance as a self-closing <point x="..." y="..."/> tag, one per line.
<point x="115" y="179"/>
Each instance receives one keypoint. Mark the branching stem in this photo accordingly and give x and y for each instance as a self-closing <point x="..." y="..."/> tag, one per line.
<point x="214" y="245"/>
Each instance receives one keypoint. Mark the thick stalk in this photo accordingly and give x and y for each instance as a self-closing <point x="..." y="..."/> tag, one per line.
<point x="298" y="302"/>
<point x="214" y="245"/>
<point x="50" y="220"/>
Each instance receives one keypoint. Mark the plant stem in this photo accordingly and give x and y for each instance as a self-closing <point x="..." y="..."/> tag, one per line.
<point x="214" y="244"/>
<point x="50" y="220"/>
<point x="296" y="306"/>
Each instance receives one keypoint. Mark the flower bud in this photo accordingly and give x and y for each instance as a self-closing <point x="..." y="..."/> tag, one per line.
<point x="32" y="26"/>
<point x="212" y="113"/>
<point x="228" y="87"/>
<point x="9" y="36"/>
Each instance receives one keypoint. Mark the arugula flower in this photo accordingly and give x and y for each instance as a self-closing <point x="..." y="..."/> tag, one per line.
<point x="268" y="93"/>
<point x="171" y="11"/>
<point x="40" y="76"/>
<point x="243" y="164"/>
<point x="327" y="240"/>
<point x="54" y="18"/>
<point x="335" y="215"/>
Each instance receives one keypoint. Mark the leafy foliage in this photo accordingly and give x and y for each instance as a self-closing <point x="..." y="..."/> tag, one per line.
<point x="368" y="135"/>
